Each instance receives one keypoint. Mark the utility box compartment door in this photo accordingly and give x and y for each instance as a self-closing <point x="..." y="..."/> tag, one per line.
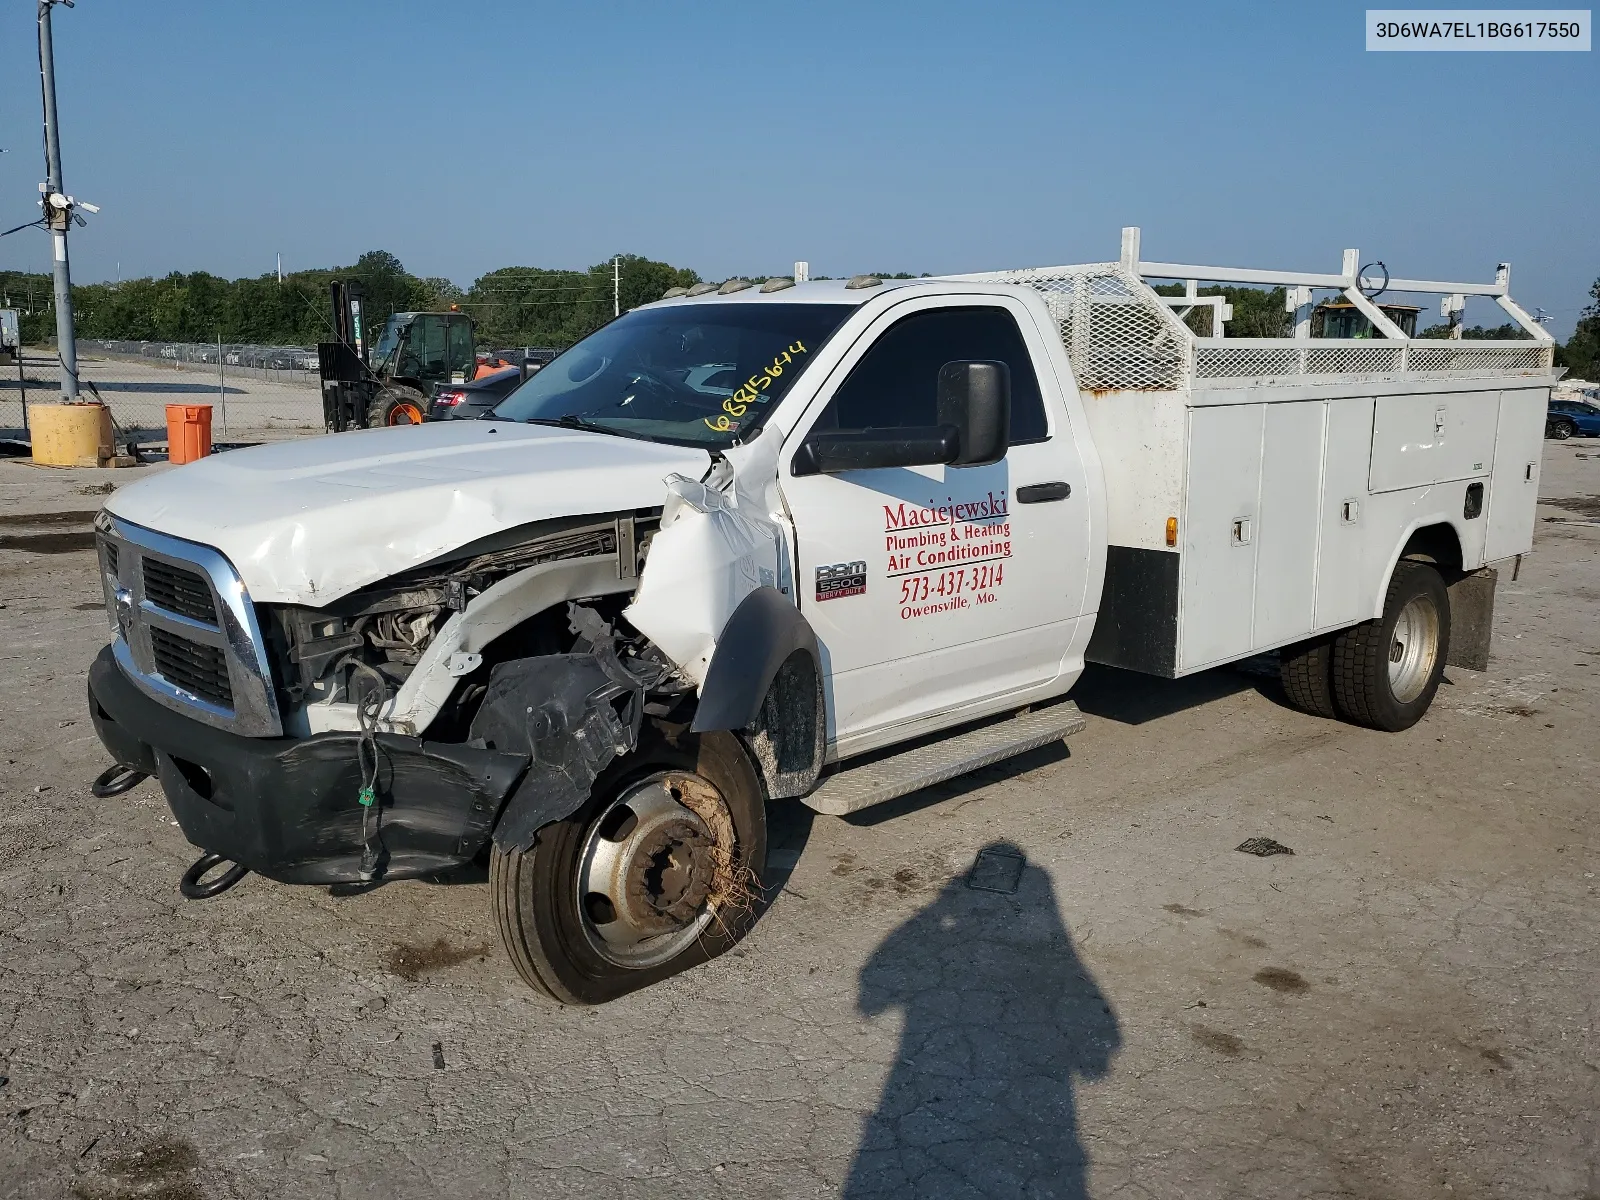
<point x="1286" y="557"/>
<point x="1219" y="530"/>
<point x="1343" y="588"/>
<point x="1514" y="488"/>
<point x="1432" y="438"/>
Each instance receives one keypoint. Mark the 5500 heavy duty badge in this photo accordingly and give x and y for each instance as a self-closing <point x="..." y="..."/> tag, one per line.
<point x="841" y="579"/>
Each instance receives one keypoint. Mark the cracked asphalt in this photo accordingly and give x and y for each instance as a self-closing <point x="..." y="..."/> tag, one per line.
<point x="1403" y="1007"/>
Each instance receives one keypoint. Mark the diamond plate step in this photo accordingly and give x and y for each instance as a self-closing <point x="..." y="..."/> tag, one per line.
<point x="855" y="788"/>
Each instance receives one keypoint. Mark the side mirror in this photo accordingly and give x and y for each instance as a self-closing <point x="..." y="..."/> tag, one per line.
<point x="975" y="399"/>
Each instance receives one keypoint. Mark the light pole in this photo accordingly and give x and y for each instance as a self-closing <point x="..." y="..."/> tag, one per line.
<point x="57" y="206"/>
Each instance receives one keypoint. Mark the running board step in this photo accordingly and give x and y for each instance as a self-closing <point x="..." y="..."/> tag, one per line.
<point x="855" y="788"/>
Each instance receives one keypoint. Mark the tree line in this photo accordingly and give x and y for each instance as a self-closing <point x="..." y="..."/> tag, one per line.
<point x="514" y="306"/>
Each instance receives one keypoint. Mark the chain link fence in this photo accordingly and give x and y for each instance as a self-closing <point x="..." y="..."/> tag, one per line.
<point x="277" y="364"/>
<point x="267" y="394"/>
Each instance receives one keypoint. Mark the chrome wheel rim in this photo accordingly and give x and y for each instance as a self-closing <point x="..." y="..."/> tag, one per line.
<point x="1413" y="649"/>
<point x="648" y="876"/>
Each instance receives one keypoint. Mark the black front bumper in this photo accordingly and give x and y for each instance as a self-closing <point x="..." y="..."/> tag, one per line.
<point x="287" y="808"/>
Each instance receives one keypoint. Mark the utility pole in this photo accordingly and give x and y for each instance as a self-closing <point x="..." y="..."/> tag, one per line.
<point x="57" y="207"/>
<point x="616" y="286"/>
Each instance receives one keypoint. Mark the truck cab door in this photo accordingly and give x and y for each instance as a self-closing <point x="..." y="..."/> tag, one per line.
<point x="939" y="593"/>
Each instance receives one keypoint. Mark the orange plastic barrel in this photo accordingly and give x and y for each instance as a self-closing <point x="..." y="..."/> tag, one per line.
<point x="188" y="432"/>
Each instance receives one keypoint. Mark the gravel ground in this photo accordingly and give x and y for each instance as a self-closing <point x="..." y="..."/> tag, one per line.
<point x="1405" y="1007"/>
<point x="138" y="391"/>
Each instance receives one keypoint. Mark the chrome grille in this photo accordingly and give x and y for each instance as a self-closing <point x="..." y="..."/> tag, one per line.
<point x="178" y="590"/>
<point x="196" y="668"/>
<point x="184" y="629"/>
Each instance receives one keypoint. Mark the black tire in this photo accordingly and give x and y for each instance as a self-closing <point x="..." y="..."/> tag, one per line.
<point x="551" y="940"/>
<point x="1562" y="430"/>
<point x="397" y="406"/>
<point x="1307" y="674"/>
<point x="1374" y="687"/>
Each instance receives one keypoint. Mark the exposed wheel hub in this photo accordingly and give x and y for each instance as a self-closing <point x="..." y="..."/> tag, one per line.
<point x="648" y="870"/>
<point x="669" y="874"/>
<point x="1413" y="649"/>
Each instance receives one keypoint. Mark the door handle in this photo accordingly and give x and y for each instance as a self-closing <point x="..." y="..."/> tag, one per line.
<point x="1034" y="493"/>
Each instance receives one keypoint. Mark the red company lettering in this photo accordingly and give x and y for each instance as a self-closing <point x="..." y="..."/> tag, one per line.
<point x="914" y="516"/>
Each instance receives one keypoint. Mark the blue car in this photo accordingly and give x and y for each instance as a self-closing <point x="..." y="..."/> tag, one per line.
<point x="1569" y="417"/>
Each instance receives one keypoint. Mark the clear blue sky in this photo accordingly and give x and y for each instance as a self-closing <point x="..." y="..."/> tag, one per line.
<point x="734" y="137"/>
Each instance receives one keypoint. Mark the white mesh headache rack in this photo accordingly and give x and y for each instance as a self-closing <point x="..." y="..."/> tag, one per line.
<point x="1122" y="335"/>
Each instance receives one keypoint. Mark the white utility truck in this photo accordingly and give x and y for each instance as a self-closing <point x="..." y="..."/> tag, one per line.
<point x="824" y="541"/>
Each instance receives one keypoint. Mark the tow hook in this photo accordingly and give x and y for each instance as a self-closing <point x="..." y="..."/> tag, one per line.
<point x="116" y="779"/>
<point x="193" y="889"/>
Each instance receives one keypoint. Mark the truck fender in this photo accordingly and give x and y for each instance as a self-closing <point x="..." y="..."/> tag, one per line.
<point x="1401" y="545"/>
<point x="765" y="682"/>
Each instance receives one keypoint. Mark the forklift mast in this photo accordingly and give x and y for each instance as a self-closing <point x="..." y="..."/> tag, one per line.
<point x="347" y="381"/>
<point x="348" y="325"/>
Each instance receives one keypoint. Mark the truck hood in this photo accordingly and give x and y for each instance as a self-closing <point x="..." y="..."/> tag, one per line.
<point x="308" y="521"/>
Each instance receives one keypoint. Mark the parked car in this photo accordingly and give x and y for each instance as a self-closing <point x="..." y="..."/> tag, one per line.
<point x="469" y="401"/>
<point x="1569" y="417"/>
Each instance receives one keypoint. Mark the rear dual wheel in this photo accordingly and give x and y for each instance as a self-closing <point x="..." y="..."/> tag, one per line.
<point x="660" y="871"/>
<point x="1382" y="673"/>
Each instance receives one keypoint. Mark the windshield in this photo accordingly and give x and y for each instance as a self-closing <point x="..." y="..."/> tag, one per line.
<point x="389" y="339"/>
<point x="692" y="374"/>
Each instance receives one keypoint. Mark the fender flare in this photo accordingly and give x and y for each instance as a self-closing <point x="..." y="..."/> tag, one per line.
<point x="763" y="633"/>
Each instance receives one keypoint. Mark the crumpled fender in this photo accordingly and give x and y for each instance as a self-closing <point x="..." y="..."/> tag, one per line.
<point x="717" y="598"/>
<point x="717" y="544"/>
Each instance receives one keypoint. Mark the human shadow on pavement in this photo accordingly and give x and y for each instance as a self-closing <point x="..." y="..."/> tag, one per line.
<point x="1002" y="1019"/>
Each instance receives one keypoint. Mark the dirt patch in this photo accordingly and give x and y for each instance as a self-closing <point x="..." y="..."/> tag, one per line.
<point x="1511" y="710"/>
<point x="412" y="963"/>
<point x="47" y="520"/>
<point x="160" y="1169"/>
<point x="1500" y="699"/>
<point x="48" y="543"/>
<point x="1583" y="506"/>
<point x="1246" y="939"/>
<point x="1489" y="1054"/>
<point x="1215" y="1039"/>
<point x="1280" y="979"/>
<point x="1179" y="910"/>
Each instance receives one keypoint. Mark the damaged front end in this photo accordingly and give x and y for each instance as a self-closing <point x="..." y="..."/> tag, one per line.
<point x="480" y="697"/>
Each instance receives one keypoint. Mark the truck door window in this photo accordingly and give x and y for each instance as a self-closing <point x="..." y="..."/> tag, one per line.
<point x="895" y="384"/>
